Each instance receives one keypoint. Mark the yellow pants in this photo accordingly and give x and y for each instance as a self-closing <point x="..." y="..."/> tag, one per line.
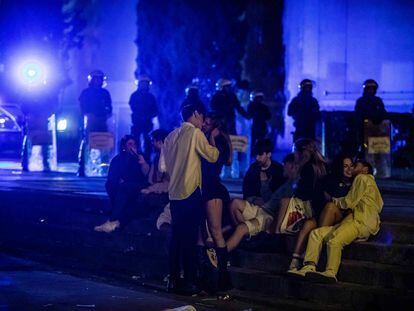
<point x="335" y="237"/>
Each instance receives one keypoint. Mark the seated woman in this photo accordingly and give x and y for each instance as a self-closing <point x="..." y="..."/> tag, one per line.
<point x="308" y="194"/>
<point x="336" y="185"/>
<point x="127" y="176"/>
<point x="365" y="204"/>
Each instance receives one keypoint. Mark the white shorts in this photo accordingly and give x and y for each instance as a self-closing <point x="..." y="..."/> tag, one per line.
<point x="256" y="219"/>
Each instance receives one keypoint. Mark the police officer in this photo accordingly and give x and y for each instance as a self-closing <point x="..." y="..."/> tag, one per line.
<point x="96" y="106"/>
<point x="96" y="103"/>
<point x="259" y="113"/>
<point x="192" y="97"/>
<point x="144" y="109"/>
<point x="304" y="109"/>
<point x="225" y="103"/>
<point x="369" y="106"/>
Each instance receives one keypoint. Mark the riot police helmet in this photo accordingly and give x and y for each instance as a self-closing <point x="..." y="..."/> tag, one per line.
<point x="306" y="85"/>
<point x="192" y="91"/>
<point x="143" y="82"/>
<point x="221" y="84"/>
<point x="96" y="78"/>
<point x="256" y="95"/>
<point x="370" y="86"/>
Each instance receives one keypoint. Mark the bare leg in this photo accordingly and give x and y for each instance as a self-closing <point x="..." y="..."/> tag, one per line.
<point x="331" y="215"/>
<point x="302" y="240"/>
<point x="214" y="214"/>
<point x="234" y="241"/>
<point x="284" y="203"/>
<point x="236" y="211"/>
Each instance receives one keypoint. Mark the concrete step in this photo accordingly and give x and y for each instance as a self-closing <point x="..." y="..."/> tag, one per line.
<point x="351" y="296"/>
<point x="351" y="271"/>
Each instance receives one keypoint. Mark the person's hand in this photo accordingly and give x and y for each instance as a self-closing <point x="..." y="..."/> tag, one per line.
<point x="215" y="132"/>
<point x="145" y="191"/>
<point x="141" y="159"/>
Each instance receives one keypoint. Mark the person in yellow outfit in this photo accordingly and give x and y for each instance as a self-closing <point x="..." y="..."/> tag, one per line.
<point x="365" y="202"/>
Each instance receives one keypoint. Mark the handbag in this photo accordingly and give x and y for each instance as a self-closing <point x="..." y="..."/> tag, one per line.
<point x="297" y="213"/>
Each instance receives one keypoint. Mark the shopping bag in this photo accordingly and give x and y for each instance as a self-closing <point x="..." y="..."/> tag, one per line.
<point x="297" y="213"/>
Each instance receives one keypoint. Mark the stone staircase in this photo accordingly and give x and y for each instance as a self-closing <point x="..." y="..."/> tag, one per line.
<point x="57" y="229"/>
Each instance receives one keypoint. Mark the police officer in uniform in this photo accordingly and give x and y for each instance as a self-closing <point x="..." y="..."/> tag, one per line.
<point x="225" y="103"/>
<point x="96" y="105"/>
<point x="368" y="107"/>
<point x="144" y="109"/>
<point x="304" y="109"/>
<point x="192" y="97"/>
<point x="260" y="114"/>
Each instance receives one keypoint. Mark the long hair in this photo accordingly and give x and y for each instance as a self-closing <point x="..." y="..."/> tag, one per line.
<point x="218" y="122"/>
<point x="316" y="158"/>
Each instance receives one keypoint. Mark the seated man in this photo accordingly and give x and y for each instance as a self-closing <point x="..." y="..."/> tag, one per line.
<point x="126" y="178"/>
<point x="252" y="219"/>
<point x="365" y="202"/>
<point x="263" y="177"/>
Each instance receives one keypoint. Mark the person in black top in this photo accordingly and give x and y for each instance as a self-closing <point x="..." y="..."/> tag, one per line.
<point x="312" y="169"/>
<point x="260" y="114"/>
<point x="336" y="185"/>
<point x="214" y="193"/>
<point x="95" y="103"/>
<point x="144" y="109"/>
<point x="192" y="97"/>
<point x="368" y="107"/>
<point x="126" y="177"/>
<point x="304" y="109"/>
<point x="263" y="176"/>
<point x="225" y="102"/>
<point x="96" y="106"/>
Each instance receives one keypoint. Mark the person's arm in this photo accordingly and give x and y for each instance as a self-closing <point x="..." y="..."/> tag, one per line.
<point x="249" y="182"/>
<point x="162" y="166"/>
<point x="354" y="195"/>
<point x="203" y="148"/>
<point x="145" y="167"/>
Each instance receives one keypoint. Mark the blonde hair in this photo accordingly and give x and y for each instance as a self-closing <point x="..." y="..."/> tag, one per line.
<point x="316" y="158"/>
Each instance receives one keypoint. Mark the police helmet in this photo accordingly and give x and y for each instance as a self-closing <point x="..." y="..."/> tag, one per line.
<point x="221" y="83"/>
<point x="306" y="83"/>
<point x="370" y="83"/>
<point x="96" y="74"/>
<point x="191" y="90"/>
<point x="256" y="94"/>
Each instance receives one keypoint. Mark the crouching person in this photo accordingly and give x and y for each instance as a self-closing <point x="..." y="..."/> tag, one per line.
<point x="365" y="202"/>
<point x="252" y="219"/>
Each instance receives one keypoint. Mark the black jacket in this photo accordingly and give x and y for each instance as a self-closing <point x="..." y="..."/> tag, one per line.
<point x="252" y="183"/>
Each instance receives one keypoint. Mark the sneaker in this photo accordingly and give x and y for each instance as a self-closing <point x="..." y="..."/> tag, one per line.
<point x="326" y="277"/>
<point x="100" y="227"/>
<point x="301" y="273"/>
<point x="212" y="256"/>
<point x="110" y="226"/>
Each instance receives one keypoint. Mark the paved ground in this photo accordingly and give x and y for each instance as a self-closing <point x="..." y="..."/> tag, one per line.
<point x="27" y="285"/>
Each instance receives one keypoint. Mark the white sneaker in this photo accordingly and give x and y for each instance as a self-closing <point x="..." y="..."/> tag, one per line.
<point x="110" y="226"/>
<point x="326" y="277"/>
<point x="301" y="272"/>
<point x="100" y="227"/>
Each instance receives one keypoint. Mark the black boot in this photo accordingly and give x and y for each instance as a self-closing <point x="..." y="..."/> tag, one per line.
<point x="224" y="280"/>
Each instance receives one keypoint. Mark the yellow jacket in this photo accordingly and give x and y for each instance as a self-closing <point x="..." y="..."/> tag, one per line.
<point x="364" y="199"/>
<point x="181" y="159"/>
